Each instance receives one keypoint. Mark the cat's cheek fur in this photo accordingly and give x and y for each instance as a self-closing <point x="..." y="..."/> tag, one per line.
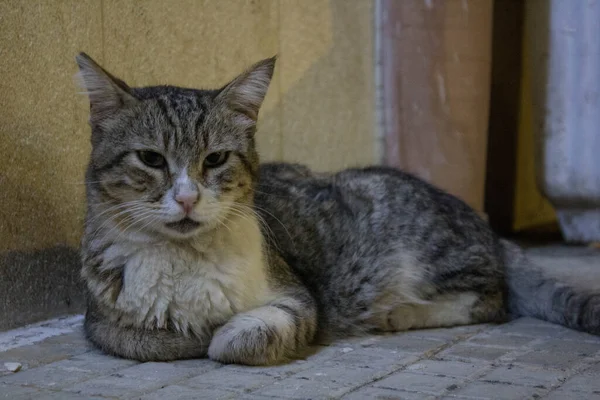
<point x="262" y="336"/>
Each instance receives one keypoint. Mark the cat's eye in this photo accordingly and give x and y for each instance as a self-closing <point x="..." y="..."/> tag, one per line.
<point x="214" y="160"/>
<point x="152" y="159"/>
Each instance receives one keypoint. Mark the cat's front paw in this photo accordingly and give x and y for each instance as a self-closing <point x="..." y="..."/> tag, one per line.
<point x="249" y="340"/>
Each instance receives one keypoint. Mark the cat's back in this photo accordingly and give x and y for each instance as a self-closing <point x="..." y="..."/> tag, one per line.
<point x="359" y="190"/>
<point x="379" y="206"/>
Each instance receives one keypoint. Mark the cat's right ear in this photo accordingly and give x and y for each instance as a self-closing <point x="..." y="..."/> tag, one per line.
<point x="107" y="94"/>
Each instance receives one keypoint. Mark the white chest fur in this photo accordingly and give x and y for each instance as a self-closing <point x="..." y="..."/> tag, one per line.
<point x="195" y="288"/>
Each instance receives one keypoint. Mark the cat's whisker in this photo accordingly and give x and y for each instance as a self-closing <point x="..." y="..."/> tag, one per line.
<point x="131" y="222"/>
<point x="127" y="205"/>
<point x="267" y="229"/>
<point x="127" y="212"/>
<point x="273" y="216"/>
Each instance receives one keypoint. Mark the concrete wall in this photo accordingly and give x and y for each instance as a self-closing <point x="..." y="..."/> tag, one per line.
<point x="319" y="110"/>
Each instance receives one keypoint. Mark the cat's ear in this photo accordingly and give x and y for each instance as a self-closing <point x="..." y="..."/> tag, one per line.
<point x="106" y="93"/>
<point x="246" y="93"/>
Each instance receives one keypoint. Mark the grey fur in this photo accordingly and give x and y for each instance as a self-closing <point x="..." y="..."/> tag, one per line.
<point x="362" y="250"/>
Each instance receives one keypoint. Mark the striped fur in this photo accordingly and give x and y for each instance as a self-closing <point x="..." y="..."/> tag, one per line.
<point x="161" y="294"/>
<point x="253" y="276"/>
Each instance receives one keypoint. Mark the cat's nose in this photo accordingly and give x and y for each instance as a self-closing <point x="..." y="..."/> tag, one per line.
<point x="187" y="199"/>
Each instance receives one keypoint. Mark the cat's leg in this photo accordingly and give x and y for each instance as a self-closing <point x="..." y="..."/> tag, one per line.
<point x="140" y="344"/>
<point x="269" y="334"/>
<point x="444" y="311"/>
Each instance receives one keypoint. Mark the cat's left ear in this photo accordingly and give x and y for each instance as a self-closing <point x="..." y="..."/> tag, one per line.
<point x="245" y="94"/>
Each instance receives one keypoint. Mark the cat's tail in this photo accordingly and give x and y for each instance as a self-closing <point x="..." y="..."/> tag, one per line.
<point x="533" y="293"/>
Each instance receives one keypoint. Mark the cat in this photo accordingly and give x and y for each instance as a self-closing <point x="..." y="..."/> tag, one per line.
<point x="191" y="248"/>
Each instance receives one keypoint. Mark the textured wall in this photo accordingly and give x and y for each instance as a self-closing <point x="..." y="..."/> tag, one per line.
<point x="319" y="109"/>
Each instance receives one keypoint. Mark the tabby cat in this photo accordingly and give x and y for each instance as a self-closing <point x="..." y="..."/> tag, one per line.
<point x="193" y="249"/>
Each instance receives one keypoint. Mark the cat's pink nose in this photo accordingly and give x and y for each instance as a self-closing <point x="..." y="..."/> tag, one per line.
<point x="187" y="199"/>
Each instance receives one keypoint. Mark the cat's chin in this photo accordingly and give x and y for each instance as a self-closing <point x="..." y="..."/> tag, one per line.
<point x="183" y="229"/>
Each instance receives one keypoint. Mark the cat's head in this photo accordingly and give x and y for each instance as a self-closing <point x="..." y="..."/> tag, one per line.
<point x="171" y="161"/>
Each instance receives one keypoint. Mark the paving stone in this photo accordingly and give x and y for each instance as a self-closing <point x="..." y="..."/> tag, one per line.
<point x="449" y="334"/>
<point x="421" y="383"/>
<point x="374" y="393"/>
<point x="167" y="371"/>
<point x="320" y="382"/>
<point x="497" y="391"/>
<point x="279" y="371"/>
<point x="177" y="392"/>
<point x="499" y="340"/>
<point x="411" y="365"/>
<point x="580" y="348"/>
<point x="407" y="344"/>
<point x="239" y="381"/>
<point x="560" y="361"/>
<point x="94" y="361"/>
<point x="571" y="334"/>
<point x="40" y="354"/>
<point x="472" y="352"/>
<point x="568" y="395"/>
<point x="376" y="358"/>
<point x="51" y="395"/>
<point x="582" y="383"/>
<point x="48" y="377"/>
<point x="455" y="369"/>
<point x="9" y="392"/>
<point x="114" y="386"/>
<point x="142" y="378"/>
<point x="523" y="376"/>
<point x="68" y="372"/>
<point x="593" y="370"/>
<point x="531" y="327"/>
<point x="75" y="339"/>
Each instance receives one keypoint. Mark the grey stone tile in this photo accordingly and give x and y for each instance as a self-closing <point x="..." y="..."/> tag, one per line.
<point x="374" y="393"/>
<point x="48" y="377"/>
<point x="375" y="358"/>
<point x="167" y="371"/>
<point x="497" y="391"/>
<point x="238" y="381"/>
<point x="320" y="382"/>
<point x="279" y="371"/>
<point x="531" y="327"/>
<point x="502" y="340"/>
<point x="582" y="383"/>
<point x="114" y="386"/>
<point x="560" y="361"/>
<point x="177" y="392"/>
<point x="407" y="344"/>
<point x="10" y="392"/>
<point x="517" y="375"/>
<point x="583" y="349"/>
<point x="561" y="394"/>
<point x="472" y="352"/>
<point x="455" y="369"/>
<point x="422" y="383"/>
<point x="51" y="395"/>
<point x="40" y="354"/>
<point x="94" y="361"/>
<point x="594" y="369"/>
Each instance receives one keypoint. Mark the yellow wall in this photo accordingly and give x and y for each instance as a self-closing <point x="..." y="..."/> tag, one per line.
<point x="319" y="109"/>
<point x="531" y="210"/>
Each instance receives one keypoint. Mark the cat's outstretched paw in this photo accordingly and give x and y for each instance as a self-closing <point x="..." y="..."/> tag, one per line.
<point x="253" y="339"/>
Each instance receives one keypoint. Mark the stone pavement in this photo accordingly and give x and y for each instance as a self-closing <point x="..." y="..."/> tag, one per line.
<point x="523" y="359"/>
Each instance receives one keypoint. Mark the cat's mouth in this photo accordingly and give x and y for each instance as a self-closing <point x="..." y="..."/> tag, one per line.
<point x="185" y="225"/>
